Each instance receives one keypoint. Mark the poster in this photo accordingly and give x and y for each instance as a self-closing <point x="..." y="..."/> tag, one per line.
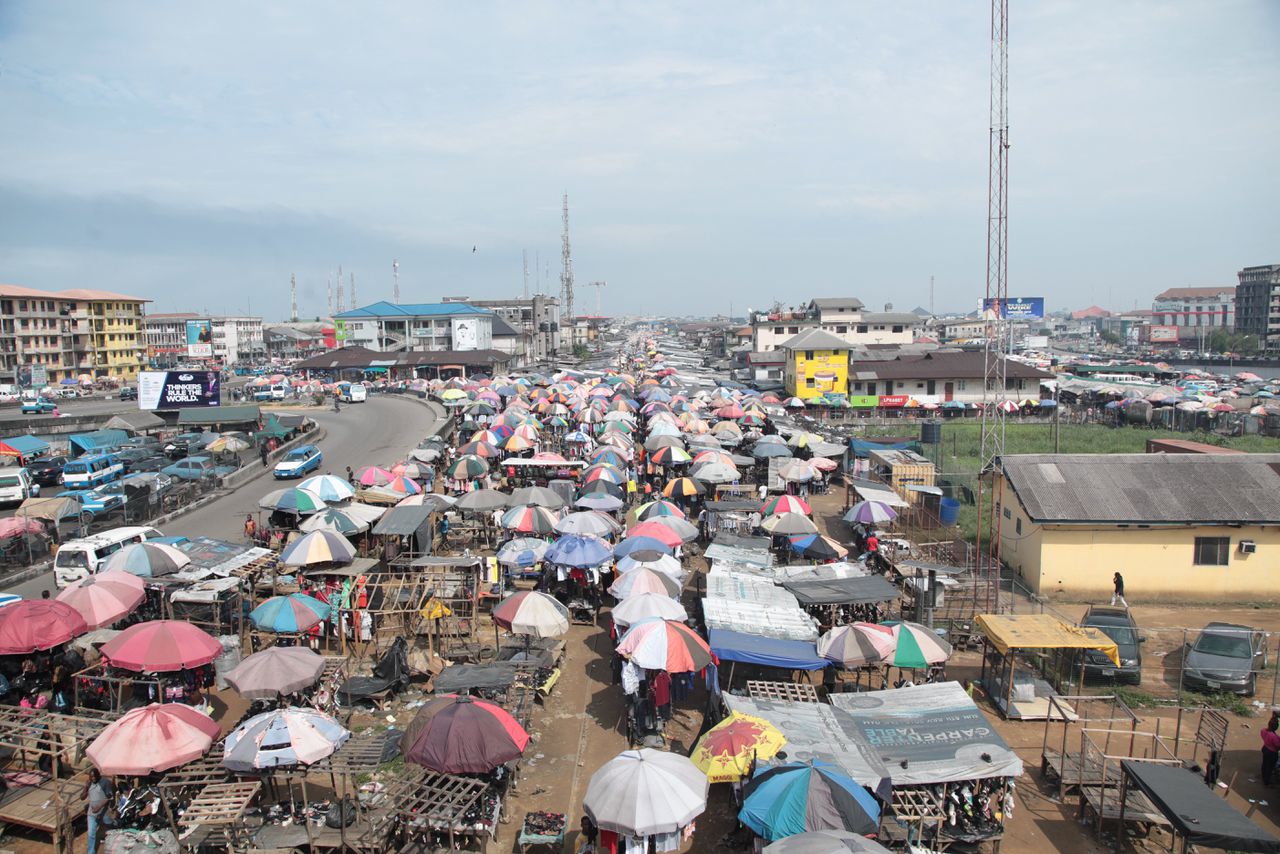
<point x="178" y="390"/>
<point x="39" y="376"/>
<point x="200" y="339"/>
<point x="465" y="333"/>
<point x="1017" y="308"/>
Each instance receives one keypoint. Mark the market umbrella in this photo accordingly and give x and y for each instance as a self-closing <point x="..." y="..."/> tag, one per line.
<point x="335" y="520"/>
<point x="644" y="580"/>
<point x="300" y="502"/>
<point x="36" y="624"/>
<point x="328" y="487"/>
<point x="665" y="645"/>
<point x="413" y="470"/>
<point x="295" y="612"/>
<point x="153" y="738"/>
<point x="826" y="842"/>
<point x="797" y="797"/>
<point x="523" y="551"/>
<point x="645" y="792"/>
<point x="599" y="501"/>
<point x="818" y="547"/>
<point x="538" y="495"/>
<point x="768" y="450"/>
<point x="14" y="526"/>
<point x="104" y="598"/>
<point x="785" y="504"/>
<point x="481" y="500"/>
<point x="656" y="561"/>
<point x="318" y="547"/>
<point x="870" y="513"/>
<point x="532" y="613"/>
<point x="797" y="471"/>
<point x="580" y="550"/>
<point x="529" y="520"/>
<point x="276" y="671"/>
<point x="467" y="468"/>
<point x="146" y="560"/>
<point x="462" y="735"/>
<point x="678" y="525"/>
<point x="789" y="524"/>
<point x="373" y="476"/>
<point x="285" y="737"/>
<point x="227" y="445"/>
<point x="716" y="473"/>
<point x="916" y="646"/>
<point x="659" y="532"/>
<point x="648" y="606"/>
<point x="857" y="644"/>
<point x="587" y="522"/>
<point x="160" y="646"/>
<point x="726" y="752"/>
<point x="632" y="545"/>
<point x="655" y="509"/>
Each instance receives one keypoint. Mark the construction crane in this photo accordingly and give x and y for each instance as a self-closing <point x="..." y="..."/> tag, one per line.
<point x="599" y="286"/>
<point x="566" y="270"/>
<point x="995" y="351"/>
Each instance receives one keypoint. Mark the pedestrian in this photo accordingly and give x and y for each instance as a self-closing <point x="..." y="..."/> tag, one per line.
<point x="351" y="476"/>
<point x="873" y="551"/>
<point x="99" y="791"/>
<point x="262" y="453"/>
<point x="1270" y="750"/>
<point x="44" y="594"/>
<point x="1117" y="594"/>
<point x="250" y="528"/>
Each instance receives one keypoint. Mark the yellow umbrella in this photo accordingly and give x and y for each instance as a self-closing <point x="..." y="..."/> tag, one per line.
<point x="725" y="751"/>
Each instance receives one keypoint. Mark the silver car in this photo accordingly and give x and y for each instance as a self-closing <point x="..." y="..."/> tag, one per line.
<point x="1225" y="657"/>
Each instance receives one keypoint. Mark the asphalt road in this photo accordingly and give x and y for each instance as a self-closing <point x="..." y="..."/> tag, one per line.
<point x="378" y="432"/>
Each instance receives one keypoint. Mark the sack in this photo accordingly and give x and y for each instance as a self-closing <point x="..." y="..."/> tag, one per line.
<point x="341" y="814"/>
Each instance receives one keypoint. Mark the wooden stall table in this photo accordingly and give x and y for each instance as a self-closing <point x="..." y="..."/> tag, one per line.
<point x="439" y="804"/>
<point x="219" y="807"/>
<point x="796" y="692"/>
<point x="52" y="807"/>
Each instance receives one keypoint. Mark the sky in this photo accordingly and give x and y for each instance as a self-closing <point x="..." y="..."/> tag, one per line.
<point x="718" y="156"/>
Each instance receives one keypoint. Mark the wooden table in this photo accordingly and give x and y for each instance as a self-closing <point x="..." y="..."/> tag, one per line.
<point x="220" y="804"/>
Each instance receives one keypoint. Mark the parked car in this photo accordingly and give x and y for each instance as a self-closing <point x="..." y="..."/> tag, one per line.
<point x="157" y="484"/>
<point x="192" y="468"/>
<point x="47" y="471"/>
<point x="95" y="502"/>
<point x="128" y="393"/>
<point x="302" y="460"/>
<point x="143" y="442"/>
<point x="1117" y="624"/>
<point x="128" y="456"/>
<point x="152" y="463"/>
<point x="16" y="485"/>
<point x="1225" y="657"/>
<point x="185" y="444"/>
<point x="39" y="406"/>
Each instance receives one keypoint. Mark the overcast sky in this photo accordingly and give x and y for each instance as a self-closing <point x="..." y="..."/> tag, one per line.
<point x="716" y="155"/>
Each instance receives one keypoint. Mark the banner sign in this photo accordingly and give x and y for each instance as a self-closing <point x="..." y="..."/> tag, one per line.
<point x="200" y="339"/>
<point x="893" y="400"/>
<point x="1017" y="308"/>
<point x="864" y="401"/>
<point x="178" y="389"/>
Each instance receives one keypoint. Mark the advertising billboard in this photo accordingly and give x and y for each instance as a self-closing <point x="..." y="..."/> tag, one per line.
<point x="1162" y="334"/>
<point x="178" y="389"/>
<point x="39" y="376"/>
<point x="200" y="339"/>
<point x="1017" y="308"/>
<point x="466" y="333"/>
<point x="339" y="330"/>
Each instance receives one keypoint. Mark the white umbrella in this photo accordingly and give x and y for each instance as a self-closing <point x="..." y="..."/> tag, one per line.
<point x="644" y="606"/>
<point x="587" y="522"/>
<point x="826" y="842"/>
<point x="716" y="473"/>
<point x="364" y="512"/>
<point x="646" y="792"/>
<point x="666" y="564"/>
<point x="789" y="524"/>
<point x="797" y="471"/>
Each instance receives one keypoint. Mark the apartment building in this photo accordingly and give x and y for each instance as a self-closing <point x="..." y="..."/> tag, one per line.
<point x="388" y="327"/>
<point x="1258" y="305"/>
<point x="69" y="334"/>
<point x="845" y="318"/>
<point x="235" y="339"/>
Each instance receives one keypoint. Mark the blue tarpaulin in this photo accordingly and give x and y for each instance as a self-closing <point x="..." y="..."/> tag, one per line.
<point x="96" y="442"/>
<point x="861" y="447"/>
<point x="768" y="652"/>
<point x="23" y="447"/>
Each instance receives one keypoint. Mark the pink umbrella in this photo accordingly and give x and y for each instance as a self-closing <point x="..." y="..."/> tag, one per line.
<point x="161" y="645"/>
<point x="17" y="525"/>
<point x="34" y="624"/>
<point x="104" y="598"/>
<point x="154" y="738"/>
<point x="658" y="531"/>
<point x="374" y="476"/>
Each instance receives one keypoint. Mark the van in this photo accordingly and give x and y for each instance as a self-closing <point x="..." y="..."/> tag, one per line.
<point x="78" y="559"/>
<point x="279" y="391"/>
<point x="352" y="393"/>
<point x="16" y="485"/>
<point x="92" y="471"/>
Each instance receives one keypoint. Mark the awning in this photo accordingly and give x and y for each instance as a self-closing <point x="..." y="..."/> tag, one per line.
<point x="404" y="521"/>
<point x="136" y="422"/>
<point x="220" y="415"/>
<point x="274" y="428"/>
<point x="870" y="490"/>
<point x="96" y="441"/>
<point x="844" y="591"/>
<point x="1042" y="631"/>
<point x="1195" y="811"/>
<point x="23" y="446"/>
<point x="768" y="652"/>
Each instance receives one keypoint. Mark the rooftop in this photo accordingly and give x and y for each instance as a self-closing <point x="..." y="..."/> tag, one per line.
<point x="1147" y="489"/>
<point x="941" y="365"/>
<point x="74" y="294"/>
<point x="815" y="339"/>
<point x="1197" y="293"/>
<point x="849" y="303"/>
<point x="420" y="309"/>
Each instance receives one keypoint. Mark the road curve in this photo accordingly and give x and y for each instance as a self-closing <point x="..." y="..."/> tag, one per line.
<point x="379" y="432"/>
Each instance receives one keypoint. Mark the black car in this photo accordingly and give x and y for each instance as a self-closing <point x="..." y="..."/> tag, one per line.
<point x="129" y="456"/>
<point x="154" y="462"/>
<point x="128" y="393"/>
<point x="46" y="471"/>
<point x="1116" y="624"/>
<point x="143" y="442"/>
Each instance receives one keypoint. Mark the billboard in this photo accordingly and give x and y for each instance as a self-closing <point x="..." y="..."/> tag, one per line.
<point x="39" y="376"/>
<point x="200" y="339"/>
<point x="339" y="331"/>
<point x="466" y="333"/>
<point x="1162" y="334"/>
<point x="178" y="389"/>
<point x="1017" y="308"/>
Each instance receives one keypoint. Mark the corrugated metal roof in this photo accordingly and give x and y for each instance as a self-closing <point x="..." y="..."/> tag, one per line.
<point x="423" y="309"/>
<point x="1154" y="489"/>
<point x="220" y="415"/>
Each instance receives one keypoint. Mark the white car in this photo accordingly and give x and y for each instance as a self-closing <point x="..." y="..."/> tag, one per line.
<point x="302" y="460"/>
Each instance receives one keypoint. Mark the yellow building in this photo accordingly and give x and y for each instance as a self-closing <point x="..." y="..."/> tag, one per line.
<point x="817" y="365"/>
<point x="115" y="322"/>
<point x="1176" y="526"/>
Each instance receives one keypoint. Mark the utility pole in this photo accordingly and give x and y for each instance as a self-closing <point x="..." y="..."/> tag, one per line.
<point x="997" y="295"/>
<point x="566" y="268"/>
<point x="599" y="286"/>
<point x="931" y="296"/>
<point x="354" y="304"/>
<point x="524" y="267"/>
<point x="341" y="304"/>
<point x="328" y="286"/>
<point x="395" y="281"/>
<point x="293" y="298"/>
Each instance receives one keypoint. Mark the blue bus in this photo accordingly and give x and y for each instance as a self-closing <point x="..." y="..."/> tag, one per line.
<point x="91" y="471"/>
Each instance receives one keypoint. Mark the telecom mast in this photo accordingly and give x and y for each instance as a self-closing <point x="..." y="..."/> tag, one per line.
<point x="395" y="281"/>
<point x="328" y="286"/>
<point x="354" y="304"/>
<point x="566" y="270"/>
<point x="293" y="298"/>
<point x="524" y="266"/>
<point x="599" y="286"/>
<point x="341" y="304"/>
<point x="993" y="309"/>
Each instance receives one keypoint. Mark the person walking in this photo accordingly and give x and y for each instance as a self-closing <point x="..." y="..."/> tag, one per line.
<point x="99" y="792"/>
<point x="262" y="453"/>
<point x="1117" y="594"/>
<point x="1270" y="750"/>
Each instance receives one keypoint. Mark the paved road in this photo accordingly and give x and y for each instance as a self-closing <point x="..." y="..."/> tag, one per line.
<point x="377" y="432"/>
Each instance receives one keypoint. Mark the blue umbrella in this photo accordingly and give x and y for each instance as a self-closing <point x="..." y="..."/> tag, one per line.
<point x="599" y="501"/>
<point x="784" y="800"/>
<point x="285" y="737"/>
<point x="523" y="551"/>
<point x="296" y="612"/>
<point x="579" y="550"/>
<point x="641" y="544"/>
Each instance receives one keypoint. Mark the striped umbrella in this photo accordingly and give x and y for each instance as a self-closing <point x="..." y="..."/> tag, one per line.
<point x="658" y="532"/>
<point x="683" y="487"/>
<point x="328" y="487"/>
<point x="530" y="520"/>
<point x="784" y="800"/>
<point x="644" y="580"/>
<point x="870" y="513"/>
<point x="411" y="469"/>
<point x="335" y="520"/>
<point x="299" y="502"/>
<point x="857" y="644"/>
<point x="467" y="468"/>
<point x="648" y="606"/>
<point x="678" y="525"/>
<point x="480" y="449"/>
<point x="373" y="476"/>
<point x="147" y="560"/>
<point x="916" y="646"/>
<point x="716" y="473"/>
<point x="318" y="547"/>
<point x="295" y="612"/>
<point x="580" y="550"/>
<point x="797" y="471"/>
<point x="462" y="735"/>
<point x="642" y="545"/>
<point x="818" y="547"/>
<point x="285" y="737"/>
<point x="789" y="524"/>
<point x="517" y="443"/>
<point x="402" y="485"/>
<point x="785" y="504"/>
<point x="532" y="613"/>
<point x="653" y="509"/>
<point x="588" y="522"/>
<point x="665" y="645"/>
<point x="671" y="456"/>
<point x="522" y="551"/>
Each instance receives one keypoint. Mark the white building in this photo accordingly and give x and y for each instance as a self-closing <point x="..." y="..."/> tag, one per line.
<point x="238" y="340"/>
<point x="534" y="320"/>
<point x="1196" y="310"/>
<point x="845" y="318"/>
<point x="387" y="327"/>
<point x="235" y="339"/>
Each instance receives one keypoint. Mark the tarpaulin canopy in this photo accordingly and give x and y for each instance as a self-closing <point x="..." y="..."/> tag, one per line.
<point x="273" y="428"/>
<point x="861" y="447"/>
<point x="1042" y="631"/>
<point x="465" y="677"/>
<point x="23" y="446"/>
<point x="220" y="415"/>
<point x="929" y="734"/>
<point x="843" y="591"/>
<point x="1194" y="810"/>
<point x="96" y="441"/>
<point x="135" y="422"/>
<point x="769" y="652"/>
<point x="870" y="490"/>
<point x="404" y="521"/>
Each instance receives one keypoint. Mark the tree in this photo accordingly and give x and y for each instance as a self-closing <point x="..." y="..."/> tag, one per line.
<point x="1110" y="336"/>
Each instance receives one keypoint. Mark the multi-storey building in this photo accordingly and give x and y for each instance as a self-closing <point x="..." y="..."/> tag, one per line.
<point x="69" y="334"/>
<point x="535" y="319"/>
<point x="1195" y="312"/>
<point x="845" y="318"/>
<point x="165" y="338"/>
<point x="235" y="339"/>
<point x="387" y="327"/>
<point x="1258" y="305"/>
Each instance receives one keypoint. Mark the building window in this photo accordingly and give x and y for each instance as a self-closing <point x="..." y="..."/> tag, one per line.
<point x="1007" y="514"/>
<point x="1212" y="551"/>
<point x="841" y="330"/>
<point x="794" y="330"/>
<point x="1017" y="526"/>
<point x="862" y="328"/>
<point x="897" y="328"/>
<point x="808" y="355"/>
<point x="777" y="330"/>
<point x="959" y="385"/>
<point x="808" y="381"/>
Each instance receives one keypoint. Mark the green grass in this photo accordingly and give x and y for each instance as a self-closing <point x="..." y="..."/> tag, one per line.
<point x="962" y="445"/>
<point x="1233" y="703"/>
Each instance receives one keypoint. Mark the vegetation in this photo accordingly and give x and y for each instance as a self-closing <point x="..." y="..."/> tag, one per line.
<point x="1233" y="703"/>
<point x="581" y="351"/>
<point x="1224" y="341"/>
<point x="1110" y="336"/>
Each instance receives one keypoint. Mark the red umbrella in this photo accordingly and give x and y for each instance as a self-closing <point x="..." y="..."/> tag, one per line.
<point x="154" y="738"/>
<point x="665" y="645"/>
<point x="33" y="625"/>
<point x="104" y="598"/>
<point x="461" y="735"/>
<point x="656" y="530"/>
<point x="161" y="645"/>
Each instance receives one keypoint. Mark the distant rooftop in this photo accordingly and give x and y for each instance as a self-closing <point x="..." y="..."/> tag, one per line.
<point x="815" y="339"/>
<point x="421" y="309"/>
<point x="848" y="303"/>
<point x="1197" y="293"/>
<point x="74" y="294"/>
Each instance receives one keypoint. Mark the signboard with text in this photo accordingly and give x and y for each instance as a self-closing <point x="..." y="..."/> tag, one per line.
<point x="1016" y="308"/>
<point x="178" y="390"/>
<point x="39" y="376"/>
<point x="200" y="339"/>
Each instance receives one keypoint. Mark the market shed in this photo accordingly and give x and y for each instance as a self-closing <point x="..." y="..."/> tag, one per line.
<point x="844" y="591"/>
<point x="765" y="652"/>
<point x="23" y="448"/>
<point x="136" y="422"/>
<point x="1195" y="812"/>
